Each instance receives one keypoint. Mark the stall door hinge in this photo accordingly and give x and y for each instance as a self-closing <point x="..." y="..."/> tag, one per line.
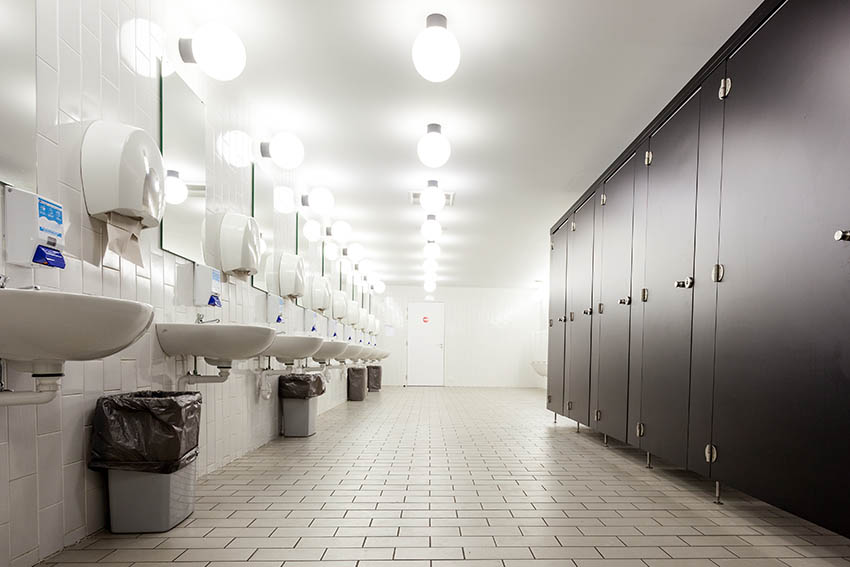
<point x="598" y="415"/>
<point x="569" y="406"/>
<point x="710" y="453"/>
<point x="603" y="199"/>
<point x="725" y="88"/>
<point x="717" y="273"/>
<point x="644" y="295"/>
<point x="551" y="322"/>
<point x="640" y="430"/>
<point x="549" y="399"/>
<point x="573" y="226"/>
<point x="647" y="160"/>
<point x="552" y="245"/>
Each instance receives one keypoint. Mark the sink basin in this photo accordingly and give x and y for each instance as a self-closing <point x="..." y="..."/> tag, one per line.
<point x="218" y="343"/>
<point x="351" y="352"/>
<point x="329" y="350"/>
<point x="367" y="353"/>
<point x="289" y="348"/>
<point x="40" y="330"/>
<point x="382" y="354"/>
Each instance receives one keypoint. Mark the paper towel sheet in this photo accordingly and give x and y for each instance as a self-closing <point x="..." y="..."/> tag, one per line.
<point x="122" y="237"/>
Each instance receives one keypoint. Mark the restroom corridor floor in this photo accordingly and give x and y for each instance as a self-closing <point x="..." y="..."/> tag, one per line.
<point x="479" y="477"/>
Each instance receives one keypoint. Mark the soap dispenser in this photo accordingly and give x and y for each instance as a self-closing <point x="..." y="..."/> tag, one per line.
<point x="340" y="306"/>
<point x="320" y="296"/>
<point x="291" y="275"/>
<point x="35" y="229"/>
<point x="352" y="313"/>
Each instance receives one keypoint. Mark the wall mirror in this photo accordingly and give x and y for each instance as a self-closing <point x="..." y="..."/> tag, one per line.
<point x="183" y="151"/>
<point x="17" y="97"/>
<point x="264" y="214"/>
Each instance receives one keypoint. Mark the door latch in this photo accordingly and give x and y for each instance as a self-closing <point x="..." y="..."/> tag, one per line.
<point x="686" y="283"/>
<point x="625" y="300"/>
<point x="647" y="159"/>
<point x="598" y="415"/>
<point x="601" y="308"/>
<point x="644" y="295"/>
<point x="572" y="316"/>
<point x="603" y="199"/>
<point x="710" y="453"/>
<point x="717" y="273"/>
<point x="569" y="406"/>
<point x="725" y="88"/>
<point x="640" y="430"/>
<point x="588" y="311"/>
<point x="842" y="235"/>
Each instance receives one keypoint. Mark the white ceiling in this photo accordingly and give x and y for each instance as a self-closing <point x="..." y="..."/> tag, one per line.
<point x="548" y="93"/>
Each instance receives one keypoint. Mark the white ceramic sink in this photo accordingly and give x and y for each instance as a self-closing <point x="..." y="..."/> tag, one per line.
<point x="329" y="350"/>
<point x="40" y="330"/>
<point x="351" y="352"/>
<point x="367" y="353"/>
<point x="382" y="354"/>
<point x="218" y="343"/>
<point x="289" y="348"/>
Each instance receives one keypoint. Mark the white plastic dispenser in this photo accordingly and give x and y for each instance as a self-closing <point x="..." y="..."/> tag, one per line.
<point x="371" y="325"/>
<point x="291" y="275"/>
<point x="198" y="285"/>
<point x="340" y="305"/>
<point x="123" y="183"/>
<point x="363" y="319"/>
<point x="35" y="229"/>
<point x="352" y="313"/>
<point x="320" y="294"/>
<point x="377" y="326"/>
<point x="274" y="308"/>
<point x="232" y="243"/>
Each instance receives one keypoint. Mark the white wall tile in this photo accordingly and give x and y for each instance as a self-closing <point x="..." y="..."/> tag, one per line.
<point x="73" y="422"/>
<point x="46" y="28"/>
<point x="22" y="450"/>
<point x="69" y="23"/>
<point x="49" y="469"/>
<point x="50" y="529"/>
<point x="69" y="79"/>
<point x="47" y="101"/>
<point x="90" y="15"/>
<point x="74" y="502"/>
<point x="4" y="488"/>
<point x="24" y="515"/>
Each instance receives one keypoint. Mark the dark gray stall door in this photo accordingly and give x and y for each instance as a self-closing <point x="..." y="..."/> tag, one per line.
<point x="557" y="320"/>
<point x="671" y="204"/>
<point x="611" y="351"/>
<point x="580" y="304"/>
<point x="782" y="384"/>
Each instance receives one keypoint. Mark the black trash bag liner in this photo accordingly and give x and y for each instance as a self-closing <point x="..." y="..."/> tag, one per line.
<point x="375" y="378"/>
<point x="146" y="431"/>
<point x="356" y="384"/>
<point x="300" y="386"/>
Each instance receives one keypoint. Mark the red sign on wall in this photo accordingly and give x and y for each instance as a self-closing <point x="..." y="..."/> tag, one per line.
<point x="426" y="319"/>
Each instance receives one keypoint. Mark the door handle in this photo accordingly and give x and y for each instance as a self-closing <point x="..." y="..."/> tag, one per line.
<point x="842" y="235"/>
<point x="625" y="300"/>
<point x="588" y="311"/>
<point x="685" y="283"/>
<point x="562" y="319"/>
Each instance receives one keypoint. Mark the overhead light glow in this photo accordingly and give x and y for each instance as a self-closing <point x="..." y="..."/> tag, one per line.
<point x="432" y="199"/>
<point x="436" y="53"/>
<point x="285" y="150"/>
<point x="176" y="191"/>
<point x="217" y="50"/>
<point x="312" y="230"/>
<point x="430" y="266"/>
<point x="331" y="251"/>
<point x="284" y="199"/>
<point x="431" y="250"/>
<point x="380" y="287"/>
<point x="430" y="286"/>
<point x="356" y="252"/>
<point x="321" y="200"/>
<point x="433" y="148"/>
<point x="431" y="229"/>
<point x="341" y="231"/>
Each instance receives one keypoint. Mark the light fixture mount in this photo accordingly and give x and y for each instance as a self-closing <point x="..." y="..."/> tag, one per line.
<point x="264" y="149"/>
<point x="436" y="20"/>
<point x="184" y="46"/>
<point x="434" y="127"/>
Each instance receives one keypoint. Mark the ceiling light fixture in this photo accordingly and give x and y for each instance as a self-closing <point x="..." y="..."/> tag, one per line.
<point x="432" y="199"/>
<point x="176" y="191"/>
<point x="431" y="229"/>
<point x="380" y="287"/>
<point x="430" y="286"/>
<point x="284" y="199"/>
<point x="433" y="148"/>
<point x="216" y="49"/>
<point x="436" y="53"/>
<point x="430" y="266"/>
<point x="431" y="250"/>
<point x="285" y="150"/>
<point x="312" y="230"/>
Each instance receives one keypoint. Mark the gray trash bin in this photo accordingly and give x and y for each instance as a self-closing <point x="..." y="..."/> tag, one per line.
<point x="299" y="396"/>
<point x="374" y="373"/>
<point x="148" y="443"/>
<point x="356" y="384"/>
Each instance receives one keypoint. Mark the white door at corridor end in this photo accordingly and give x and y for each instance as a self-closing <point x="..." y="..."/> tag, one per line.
<point x="426" y="331"/>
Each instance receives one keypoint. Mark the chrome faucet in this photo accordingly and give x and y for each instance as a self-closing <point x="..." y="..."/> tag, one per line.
<point x="199" y="319"/>
<point x="3" y="280"/>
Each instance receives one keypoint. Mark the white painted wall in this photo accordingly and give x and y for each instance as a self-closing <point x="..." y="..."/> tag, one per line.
<point x="489" y="336"/>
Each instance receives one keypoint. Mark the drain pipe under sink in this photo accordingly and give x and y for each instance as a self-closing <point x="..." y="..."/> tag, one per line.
<point x="194" y="377"/>
<point x="45" y="390"/>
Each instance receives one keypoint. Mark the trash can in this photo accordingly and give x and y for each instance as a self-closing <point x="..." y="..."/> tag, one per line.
<point x="356" y="384"/>
<point x="148" y="443"/>
<point x="374" y="374"/>
<point x="299" y="397"/>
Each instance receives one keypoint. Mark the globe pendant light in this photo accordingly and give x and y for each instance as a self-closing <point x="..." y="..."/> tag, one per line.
<point x="341" y="231"/>
<point x="380" y="287"/>
<point x="432" y="199"/>
<point x="321" y="200"/>
<point x="285" y="150"/>
<point x="436" y="53"/>
<point x="355" y="252"/>
<point x="431" y="250"/>
<point x="216" y="49"/>
<point x="431" y="229"/>
<point x="176" y="191"/>
<point x="430" y="286"/>
<point x="433" y="148"/>
<point x="430" y="266"/>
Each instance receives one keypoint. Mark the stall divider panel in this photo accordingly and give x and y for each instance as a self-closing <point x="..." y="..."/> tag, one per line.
<point x="557" y="320"/>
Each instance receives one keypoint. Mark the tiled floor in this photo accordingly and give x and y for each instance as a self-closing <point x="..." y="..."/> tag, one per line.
<point x="474" y="477"/>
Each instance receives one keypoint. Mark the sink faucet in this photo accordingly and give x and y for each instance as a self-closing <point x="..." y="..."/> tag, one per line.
<point x="3" y="280"/>
<point x="199" y="319"/>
